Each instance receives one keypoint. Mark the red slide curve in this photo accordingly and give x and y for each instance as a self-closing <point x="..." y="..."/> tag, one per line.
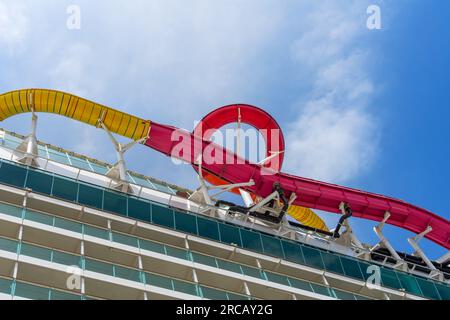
<point x="313" y="194"/>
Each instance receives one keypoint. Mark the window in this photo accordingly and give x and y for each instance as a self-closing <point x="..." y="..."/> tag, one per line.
<point x="208" y="228"/>
<point x="138" y="209"/>
<point x="293" y="251"/>
<point x="251" y="240"/>
<point x="185" y="287"/>
<point x="230" y="266"/>
<point x="12" y="174"/>
<point x="162" y="216"/>
<point x="39" y="182"/>
<point x="312" y="257"/>
<point x="332" y="262"/>
<point x="185" y="222"/>
<point x="90" y="196"/>
<point x="300" y="284"/>
<point x="36" y="252"/>
<point x="317" y="288"/>
<point x="177" y="253"/>
<point x="115" y="202"/>
<point x="253" y="272"/>
<point x="229" y="234"/>
<point x="351" y="268"/>
<point x="272" y="246"/>
<point x="65" y="189"/>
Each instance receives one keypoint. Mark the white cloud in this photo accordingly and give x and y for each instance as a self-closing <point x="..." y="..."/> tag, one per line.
<point x="334" y="137"/>
<point x="13" y="24"/>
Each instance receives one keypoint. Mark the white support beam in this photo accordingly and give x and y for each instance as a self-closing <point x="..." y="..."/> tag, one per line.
<point x="28" y="148"/>
<point x="119" y="171"/>
<point x="414" y="242"/>
<point x="384" y="242"/>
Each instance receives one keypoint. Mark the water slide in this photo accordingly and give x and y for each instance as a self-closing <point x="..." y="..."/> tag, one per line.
<point x="187" y="146"/>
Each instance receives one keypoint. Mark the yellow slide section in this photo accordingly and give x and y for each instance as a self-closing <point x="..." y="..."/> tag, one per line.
<point x="307" y="217"/>
<point x="73" y="107"/>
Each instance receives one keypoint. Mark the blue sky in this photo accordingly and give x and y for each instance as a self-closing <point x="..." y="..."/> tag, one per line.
<point x="363" y="108"/>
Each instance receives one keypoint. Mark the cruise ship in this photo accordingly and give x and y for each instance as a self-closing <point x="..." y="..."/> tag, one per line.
<point x="76" y="228"/>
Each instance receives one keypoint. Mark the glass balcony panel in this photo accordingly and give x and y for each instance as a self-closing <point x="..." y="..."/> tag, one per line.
<point x="80" y="163"/>
<point x="343" y="295"/>
<point x="272" y="246"/>
<point x="96" y="232"/>
<point x="251" y="240"/>
<point x="115" y="202"/>
<point x="5" y="286"/>
<point x="177" y="253"/>
<point x="67" y="259"/>
<point x="99" y="267"/>
<point x="351" y="268"/>
<point x="90" y="196"/>
<point x="68" y="225"/>
<point x="300" y="284"/>
<point x="319" y="289"/>
<point x="332" y="262"/>
<point x="185" y="222"/>
<point x="39" y="182"/>
<point x="428" y="289"/>
<point x="65" y="189"/>
<point x="213" y="294"/>
<point x="230" y="234"/>
<point x="202" y="259"/>
<point x="237" y="297"/>
<point x="39" y="217"/>
<point x="57" y="156"/>
<point x="230" y="266"/>
<point x="273" y="277"/>
<point x="253" y="272"/>
<point x="11" y="210"/>
<point x="139" y="209"/>
<point x="124" y="239"/>
<point x="32" y="292"/>
<point x="8" y="245"/>
<point x="389" y="279"/>
<point x="208" y="228"/>
<point x="293" y="251"/>
<point x="152" y="246"/>
<point x="158" y="281"/>
<point x="444" y="291"/>
<point x="409" y="283"/>
<point x="13" y="175"/>
<point x="313" y="257"/>
<point x="127" y="273"/>
<point x="185" y="287"/>
<point x="60" y="295"/>
<point x="35" y="252"/>
<point x="162" y="216"/>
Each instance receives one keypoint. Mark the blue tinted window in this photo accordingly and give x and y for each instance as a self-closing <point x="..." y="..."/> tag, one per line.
<point x="428" y="289"/>
<point x="351" y="268"/>
<point x="332" y="262"/>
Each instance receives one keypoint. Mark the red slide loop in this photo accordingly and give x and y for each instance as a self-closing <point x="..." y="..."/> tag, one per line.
<point x="266" y="125"/>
